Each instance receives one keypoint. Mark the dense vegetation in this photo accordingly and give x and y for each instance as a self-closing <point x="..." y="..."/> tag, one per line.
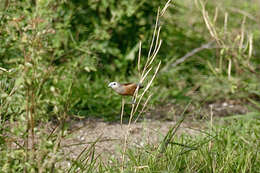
<point x="57" y="57"/>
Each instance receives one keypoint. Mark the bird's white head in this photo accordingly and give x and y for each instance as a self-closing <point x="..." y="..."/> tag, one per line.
<point x="113" y="85"/>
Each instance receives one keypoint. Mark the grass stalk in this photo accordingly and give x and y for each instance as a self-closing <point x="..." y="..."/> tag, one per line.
<point x="153" y="50"/>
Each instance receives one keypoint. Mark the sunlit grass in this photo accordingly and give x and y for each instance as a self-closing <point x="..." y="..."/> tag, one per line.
<point x="232" y="146"/>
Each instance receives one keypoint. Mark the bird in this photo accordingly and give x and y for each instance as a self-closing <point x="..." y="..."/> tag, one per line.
<point x="127" y="89"/>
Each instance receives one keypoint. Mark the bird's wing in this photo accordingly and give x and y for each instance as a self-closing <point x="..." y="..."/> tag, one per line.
<point x="127" y="84"/>
<point x="130" y="88"/>
<point x="132" y="84"/>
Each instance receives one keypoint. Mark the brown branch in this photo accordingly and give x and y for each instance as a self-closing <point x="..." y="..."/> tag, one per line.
<point x="189" y="54"/>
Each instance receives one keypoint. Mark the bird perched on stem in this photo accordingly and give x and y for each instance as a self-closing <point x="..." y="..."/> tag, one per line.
<point x="127" y="89"/>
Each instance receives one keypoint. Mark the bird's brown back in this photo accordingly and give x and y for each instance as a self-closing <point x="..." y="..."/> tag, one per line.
<point x="129" y="88"/>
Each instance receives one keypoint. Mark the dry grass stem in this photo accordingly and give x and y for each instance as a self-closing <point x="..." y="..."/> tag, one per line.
<point x="215" y="15"/>
<point x="165" y="7"/>
<point x="145" y="75"/>
<point x="154" y="33"/>
<point x="156" y="42"/>
<point x="225" y="23"/>
<point x="139" y="57"/>
<point x="209" y="24"/>
<point x="153" y="50"/>
<point x="242" y="35"/>
<point x="155" y="53"/>
<point x="148" y="86"/>
<point x="144" y="106"/>
<point x="229" y="68"/>
<point x="211" y="124"/>
<point x="250" y="46"/>
<point x="3" y="69"/>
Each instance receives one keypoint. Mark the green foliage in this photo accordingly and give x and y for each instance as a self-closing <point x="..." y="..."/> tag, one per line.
<point x="207" y="75"/>
<point x="66" y="53"/>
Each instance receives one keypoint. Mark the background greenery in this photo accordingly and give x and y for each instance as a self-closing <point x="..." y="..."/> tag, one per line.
<point x="60" y="56"/>
<point x="66" y="52"/>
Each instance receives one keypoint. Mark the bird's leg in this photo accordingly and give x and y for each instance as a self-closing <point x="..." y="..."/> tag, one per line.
<point x="122" y="111"/>
<point x="133" y="100"/>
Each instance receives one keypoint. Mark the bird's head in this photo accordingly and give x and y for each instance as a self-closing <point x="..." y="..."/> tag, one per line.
<point x="113" y="85"/>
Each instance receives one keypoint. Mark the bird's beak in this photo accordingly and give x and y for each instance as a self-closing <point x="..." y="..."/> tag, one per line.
<point x="109" y="85"/>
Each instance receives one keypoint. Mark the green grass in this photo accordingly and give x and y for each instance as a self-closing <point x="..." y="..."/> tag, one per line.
<point x="231" y="146"/>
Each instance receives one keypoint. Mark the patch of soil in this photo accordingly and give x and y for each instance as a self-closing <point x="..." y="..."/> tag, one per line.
<point x="148" y="131"/>
<point x="112" y="135"/>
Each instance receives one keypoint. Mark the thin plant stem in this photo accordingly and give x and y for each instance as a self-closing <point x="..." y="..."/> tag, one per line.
<point x="122" y="112"/>
<point x="154" y="49"/>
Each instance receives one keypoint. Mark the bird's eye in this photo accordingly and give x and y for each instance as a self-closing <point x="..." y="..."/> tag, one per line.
<point x="114" y="83"/>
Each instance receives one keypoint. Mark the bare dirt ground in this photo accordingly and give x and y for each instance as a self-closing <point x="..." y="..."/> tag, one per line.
<point x="111" y="135"/>
<point x="149" y="131"/>
<point x="109" y="138"/>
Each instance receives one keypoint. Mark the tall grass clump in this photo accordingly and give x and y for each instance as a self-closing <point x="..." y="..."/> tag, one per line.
<point x="229" y="145"/>
<point x="143" y="75"/>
